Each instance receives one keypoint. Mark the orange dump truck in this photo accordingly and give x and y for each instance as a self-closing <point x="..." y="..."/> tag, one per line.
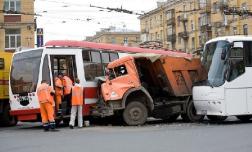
<point x="142" y="86"/>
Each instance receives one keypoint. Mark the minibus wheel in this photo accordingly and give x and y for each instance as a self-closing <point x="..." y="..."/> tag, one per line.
<point x="191" y="113"/>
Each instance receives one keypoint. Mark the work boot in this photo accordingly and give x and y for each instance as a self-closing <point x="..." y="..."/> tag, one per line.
<point x="46" y="127"/>
<point x="52" y="125"/>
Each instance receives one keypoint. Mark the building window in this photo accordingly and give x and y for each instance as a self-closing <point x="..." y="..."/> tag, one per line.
<point x="179" y="40"/>
<point x="125" y="41"/>
<point x="215" y="7"/>
<point x="113" y="40"/>
<point x="150" y="23"/>
<point x="178" y="21"/>
<point x="235" y="30"/>
<point x="192" y="25"/>
<point x="193" y="43"/>
<point x="161" y="20"/>
<point x="13" y="5"/>
<point x="12" y="38"/>
<point x="245" y="29"/>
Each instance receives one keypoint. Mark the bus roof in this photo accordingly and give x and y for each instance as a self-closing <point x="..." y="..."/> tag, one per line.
<point x="231" y="38"/>
<point x="119" y="48"/>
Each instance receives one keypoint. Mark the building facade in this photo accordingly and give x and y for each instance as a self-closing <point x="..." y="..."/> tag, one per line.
<point x="17" y="24"/>
<point x="187" y="24"/>
<point x="116" y="36"/>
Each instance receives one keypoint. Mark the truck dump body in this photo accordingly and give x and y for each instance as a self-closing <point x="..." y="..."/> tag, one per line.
<point x="173" y="75"/>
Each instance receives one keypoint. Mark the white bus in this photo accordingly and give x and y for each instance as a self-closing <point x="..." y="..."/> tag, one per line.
<point x="228" y="88"/>
<point x="85" y="60"/>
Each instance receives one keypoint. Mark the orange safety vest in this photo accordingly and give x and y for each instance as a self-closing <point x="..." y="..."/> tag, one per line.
<point x="77" y="95"/>
<point x="67" y="83"/>
<point x="43" y="93"/>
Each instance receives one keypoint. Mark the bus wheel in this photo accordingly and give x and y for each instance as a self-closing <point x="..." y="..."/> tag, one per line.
<point x="216" y="118"/>
<point x="191" y="113"/>
<point x="8" y="120"/>
<point x="135" y="113"/>
<point x="244" y="117"/>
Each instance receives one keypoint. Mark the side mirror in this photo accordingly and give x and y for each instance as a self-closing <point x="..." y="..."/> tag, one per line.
<point x="223" y="54"/>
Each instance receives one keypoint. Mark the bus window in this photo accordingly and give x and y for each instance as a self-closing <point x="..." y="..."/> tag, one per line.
<point x="113" y="56"/>
<point x="24" y="71"/>
<point x="105" y="57"/>
<point x="1" y="63"/>
<point x="105" y="60"/>
<point x="46" y="71"/>
<point x="248" y="52"/>
<point x="236" y="63"/>
<point x="93" y="67"/>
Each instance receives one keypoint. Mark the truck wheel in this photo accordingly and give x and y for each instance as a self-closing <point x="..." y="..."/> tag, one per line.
<point x="191" y="113"/>
<point x="216" y="118"/>
<point x="244" y="118"/>
<point x="135" y="113"/>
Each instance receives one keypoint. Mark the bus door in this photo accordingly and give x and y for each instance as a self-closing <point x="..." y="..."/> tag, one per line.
<point x="66" y="65"/>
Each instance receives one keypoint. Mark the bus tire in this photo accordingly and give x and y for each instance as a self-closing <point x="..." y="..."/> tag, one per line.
<point x="7" y="119"/>
<point x="244" y="118"/>
<point x="216" y="118"/>
<point x="191" y="113"/>
<point x="135" y="113"/>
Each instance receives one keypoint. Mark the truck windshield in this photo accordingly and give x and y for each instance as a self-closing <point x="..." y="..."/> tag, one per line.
<point x="24" y="71"/>
<point x="213" y="63"/>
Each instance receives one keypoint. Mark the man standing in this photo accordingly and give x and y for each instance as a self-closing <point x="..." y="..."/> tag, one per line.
<point x="45" y="95"/>
<point x="58" y="92"/>
<point x="77" y="103"/>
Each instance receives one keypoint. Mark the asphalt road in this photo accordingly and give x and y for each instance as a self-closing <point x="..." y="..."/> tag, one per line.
<point x="156" y="136"/>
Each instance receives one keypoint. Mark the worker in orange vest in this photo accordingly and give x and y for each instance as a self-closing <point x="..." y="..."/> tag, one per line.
<point x="77" y="103"/>
<point x="58" y="92"/>
<point x="45" y="95"/>
<point x="67" y="84"/>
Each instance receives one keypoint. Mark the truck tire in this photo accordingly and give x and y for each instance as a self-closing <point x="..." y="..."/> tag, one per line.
<point x="135" y="113"/>
<point x="244" y="118"/>
<point x="191" y="114"/>
<point x="216" y="118"/>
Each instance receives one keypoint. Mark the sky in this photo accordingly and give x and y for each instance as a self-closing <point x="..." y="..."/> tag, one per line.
<point x="67" y="19"/>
